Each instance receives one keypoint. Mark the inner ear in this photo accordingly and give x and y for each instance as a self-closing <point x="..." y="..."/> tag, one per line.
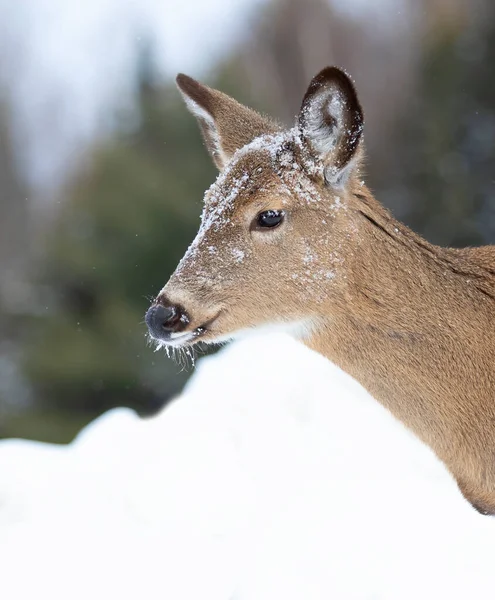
<point x="226" y="124"/>
<point x="331" y="121"/>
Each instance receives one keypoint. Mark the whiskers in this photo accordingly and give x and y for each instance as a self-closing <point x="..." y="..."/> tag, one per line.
<point x="184" y="356"/>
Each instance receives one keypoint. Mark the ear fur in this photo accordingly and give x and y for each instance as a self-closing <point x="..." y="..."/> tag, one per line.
<point x="226" y="124"/>
<point x="331" y="121"/>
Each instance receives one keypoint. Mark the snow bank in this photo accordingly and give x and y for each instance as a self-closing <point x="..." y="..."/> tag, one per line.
<point x="273" y="476"/>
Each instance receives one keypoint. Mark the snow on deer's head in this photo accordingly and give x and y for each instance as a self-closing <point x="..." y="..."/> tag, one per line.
<point x="270" y="248"/>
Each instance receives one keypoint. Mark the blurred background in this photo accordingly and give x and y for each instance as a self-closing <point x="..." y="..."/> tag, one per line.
<point x="102" y="169"/>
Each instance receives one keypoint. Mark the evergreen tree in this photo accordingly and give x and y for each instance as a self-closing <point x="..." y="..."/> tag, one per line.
<point x="125" y="223"/>
<point x="441" y="171"/>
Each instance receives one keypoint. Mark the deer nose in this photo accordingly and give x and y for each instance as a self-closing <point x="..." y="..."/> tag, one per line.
<point x="162" y="320"/>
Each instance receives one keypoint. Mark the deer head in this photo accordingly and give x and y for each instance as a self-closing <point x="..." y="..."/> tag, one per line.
<point x="290" y="237"/>
<point x="275" y="231"/>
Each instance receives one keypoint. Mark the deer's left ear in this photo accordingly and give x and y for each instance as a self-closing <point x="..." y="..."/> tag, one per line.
<point x="226" y="124"/>
<point x="331" y="123"/>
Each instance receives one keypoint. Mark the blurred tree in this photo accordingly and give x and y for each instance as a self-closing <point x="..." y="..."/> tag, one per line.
<point x="125" y="223"/>
<point x="440" y="178"/>
<point x="14" y="205"/>
<point x="14" y="254"/>
<point x="291" y="40"/>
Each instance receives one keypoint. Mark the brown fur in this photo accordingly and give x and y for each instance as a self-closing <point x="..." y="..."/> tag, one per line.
<point x="236" y="124"/>
<point x="412" y="322"/>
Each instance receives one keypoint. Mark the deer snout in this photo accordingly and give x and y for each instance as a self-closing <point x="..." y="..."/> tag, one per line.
<point x="163" y="320"/>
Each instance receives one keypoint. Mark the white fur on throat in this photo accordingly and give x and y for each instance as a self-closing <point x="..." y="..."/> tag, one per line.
<point x="299" y="330"/>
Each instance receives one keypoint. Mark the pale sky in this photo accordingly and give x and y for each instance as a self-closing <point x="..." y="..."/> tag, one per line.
<point x="65" y="61"/>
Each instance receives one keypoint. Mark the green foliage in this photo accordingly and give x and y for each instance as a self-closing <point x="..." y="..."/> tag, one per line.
<point x="55" y="427"/>
<point x="441" y="177"/>
<point x="124" y="225"/>
<point x="130" y="214"/>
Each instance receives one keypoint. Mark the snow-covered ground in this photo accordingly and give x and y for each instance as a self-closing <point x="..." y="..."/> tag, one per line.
<point x="274" y="476"/>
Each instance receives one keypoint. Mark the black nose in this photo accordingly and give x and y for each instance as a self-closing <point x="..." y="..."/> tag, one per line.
<point x="164" y="320"/>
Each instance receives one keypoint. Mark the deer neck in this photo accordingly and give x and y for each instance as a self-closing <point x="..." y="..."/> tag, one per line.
<point x="414" y="327"/>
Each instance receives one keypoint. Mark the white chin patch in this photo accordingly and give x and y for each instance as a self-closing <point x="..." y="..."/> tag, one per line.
<point x="175" y="341"/>
<point x="299" y="330"/>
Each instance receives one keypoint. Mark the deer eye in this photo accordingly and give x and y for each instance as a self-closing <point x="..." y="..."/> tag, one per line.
<point x="269" y="219"/>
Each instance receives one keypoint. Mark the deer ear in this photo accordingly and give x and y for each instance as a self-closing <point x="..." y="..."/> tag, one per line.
<point x="331" y="122"/>
<point x="225" y="124"/>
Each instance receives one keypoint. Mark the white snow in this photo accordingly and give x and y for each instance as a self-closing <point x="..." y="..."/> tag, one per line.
<point x="238" y="254"/>
<point x="219" y="203"/>
<point x="274" y="476"/>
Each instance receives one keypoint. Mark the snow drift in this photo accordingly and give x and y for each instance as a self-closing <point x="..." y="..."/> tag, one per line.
<point x="274" y="475"/>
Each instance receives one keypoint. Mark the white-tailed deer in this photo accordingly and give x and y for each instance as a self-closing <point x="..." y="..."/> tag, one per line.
<point x="292" y="237"/>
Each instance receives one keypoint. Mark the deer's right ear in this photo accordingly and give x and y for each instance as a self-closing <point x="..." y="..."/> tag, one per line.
<point x="225" y="124"/>
<point x="331" y="122"/>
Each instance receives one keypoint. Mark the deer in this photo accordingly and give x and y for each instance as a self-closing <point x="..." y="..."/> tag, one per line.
<point x="291" y="238"/>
